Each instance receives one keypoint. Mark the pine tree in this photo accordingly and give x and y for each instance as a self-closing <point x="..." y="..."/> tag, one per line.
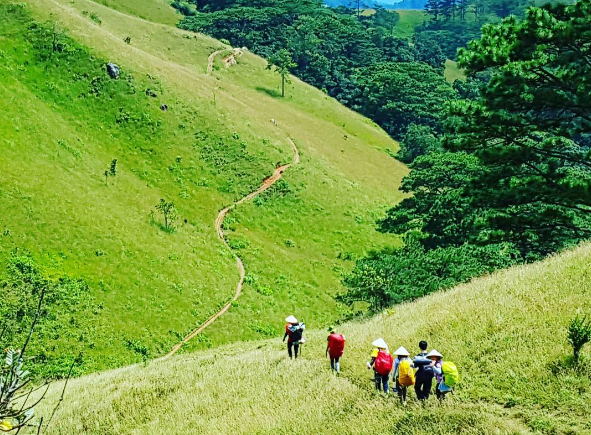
<point x="448" y="9"/>
<point x="462" y="6"/>
<point x="531" y="129"/>
<point x="434" y="8"/>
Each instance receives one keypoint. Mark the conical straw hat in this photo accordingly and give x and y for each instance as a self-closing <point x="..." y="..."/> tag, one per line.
<point x="291" y="319"/>
<point x="434" y="353"/>
<point x="380" y="343"/>
<point x="401" y="351"/>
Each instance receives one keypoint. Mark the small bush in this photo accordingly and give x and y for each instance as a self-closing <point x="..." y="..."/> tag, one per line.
<point x="579" y="334"/>
<point x="263" y="329"/>
<point x="93" y="16"/>
<point x="237" y="243"/>
<point x="137" y="347"/>
<point x="263" y="290"/>
<point x="168" y="211"/>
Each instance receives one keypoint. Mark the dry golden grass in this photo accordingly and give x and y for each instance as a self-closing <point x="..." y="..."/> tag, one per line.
<point x="506" y="332"/>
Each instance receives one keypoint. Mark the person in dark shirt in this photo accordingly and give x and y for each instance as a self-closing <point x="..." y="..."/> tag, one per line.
<point x="424" y="374"/>
<point x="293" y="333"/>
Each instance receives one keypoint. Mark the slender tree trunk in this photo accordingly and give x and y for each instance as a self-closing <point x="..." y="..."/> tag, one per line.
<point x="282" y="85"/>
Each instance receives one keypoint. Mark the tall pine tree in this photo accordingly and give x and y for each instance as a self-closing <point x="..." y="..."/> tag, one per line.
<point x="531" y="128"/>
<point x="434" y="8"/>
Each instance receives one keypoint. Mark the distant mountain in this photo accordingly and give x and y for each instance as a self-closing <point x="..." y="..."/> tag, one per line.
<point x="404" y="4"/>
<point x="388" y="4"/>
<point x="351" y="3"/>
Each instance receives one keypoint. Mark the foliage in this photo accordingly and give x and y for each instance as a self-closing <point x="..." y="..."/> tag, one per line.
<point x="429" y="50"/>
<point x="516" y="168"/>
<point x="65" y="301"/>
<point x="334" y="51"/>
<point x="530" y="128"/>
<point x="17" y="406"/>
<point x="438" y="210"/>
<point x="14" y="380"/>
<point x="169" y="213"/>
<point x="396" y="95"/>
<point x="388" y="277"/>
<point x="417" y="141"/>
<point x="579" y="334"/>
<point x="281" y="62"/>
<point x="111" y="171"/>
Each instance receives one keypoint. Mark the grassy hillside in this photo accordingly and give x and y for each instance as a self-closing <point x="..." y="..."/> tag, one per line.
<point x="506" y="332"/>
<point x="158" y="11"/>
<point x="62" y="122"/>
<point x="409" y="19"/>
<point x="452" y="72"/>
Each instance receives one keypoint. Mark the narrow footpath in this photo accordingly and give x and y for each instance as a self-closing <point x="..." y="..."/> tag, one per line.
<point x="219" y="221"/>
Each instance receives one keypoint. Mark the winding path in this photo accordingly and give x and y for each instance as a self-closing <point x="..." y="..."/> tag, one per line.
<point x="219" y="221"/>
<point x="211" y="58"/>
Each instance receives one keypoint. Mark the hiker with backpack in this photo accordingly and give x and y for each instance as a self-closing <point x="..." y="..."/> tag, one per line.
<point x="382" y="363"/>
<point x="335" y="347"/>
<point x="436" y="362"/>
<point x="293" y="332"/>
<point x="446" y="374"/>
<point x="424" y="374"/>
<point x="403" y="374"/>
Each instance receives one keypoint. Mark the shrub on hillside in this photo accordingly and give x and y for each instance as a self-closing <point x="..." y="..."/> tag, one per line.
<point x="387" y="277"/>
<point x="417" y="141"/>
<point x="65" y="315"/>
<point x="579" y="334"/>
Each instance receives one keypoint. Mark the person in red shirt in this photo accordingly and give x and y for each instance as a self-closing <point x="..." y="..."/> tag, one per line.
<point x="334" y="348"/>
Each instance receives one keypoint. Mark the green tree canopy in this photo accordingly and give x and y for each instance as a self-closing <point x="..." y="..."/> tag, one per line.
<point x="530" y="127"/>
<point x="281" y="62"/>
<point x="438" y="208"/>
<point x="398" y="94"/>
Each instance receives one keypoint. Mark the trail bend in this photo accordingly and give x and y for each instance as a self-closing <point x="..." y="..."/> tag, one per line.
<point x="219" y="221"/>
<point x="211" y="58"/>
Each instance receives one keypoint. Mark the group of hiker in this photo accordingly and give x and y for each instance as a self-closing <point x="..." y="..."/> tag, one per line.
<point x="418" y="372"/>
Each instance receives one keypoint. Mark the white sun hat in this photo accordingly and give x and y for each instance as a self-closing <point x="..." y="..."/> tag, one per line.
<point x="291" y="319"/>
<point x="380" y="343"/>
<point x="434" y="353"/>
<point x="401" y="351"/>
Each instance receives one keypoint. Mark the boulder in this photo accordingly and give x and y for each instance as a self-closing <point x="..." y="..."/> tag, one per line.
<point x="113" y="70"/>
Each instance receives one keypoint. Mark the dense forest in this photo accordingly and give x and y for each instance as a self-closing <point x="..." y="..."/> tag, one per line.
<point x="501" y="161"/>
<point x="346" y="55"/>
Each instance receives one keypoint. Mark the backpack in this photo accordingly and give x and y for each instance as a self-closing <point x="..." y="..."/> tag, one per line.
<point x="383" y="363"/>
<point x="451" y="375"/>
<point x="296" y="335"/>
<point x="296" y="332"/>
<point x="406" y="375"/>
<point x="425" y="369"/>
<point x="336" y="345"/>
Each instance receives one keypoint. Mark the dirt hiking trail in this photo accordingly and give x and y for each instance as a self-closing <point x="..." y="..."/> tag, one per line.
<point x="228" y="60"/>
<point x="211" y="58"/>
<point x="219" y="221"/>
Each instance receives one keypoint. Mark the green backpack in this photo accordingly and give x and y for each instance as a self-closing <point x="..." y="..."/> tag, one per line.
<point x="450" y="373"/>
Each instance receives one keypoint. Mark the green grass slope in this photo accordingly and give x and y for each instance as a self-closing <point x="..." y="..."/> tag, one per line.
<point x="506" y="332"/>
<point x="158" y="11"/>
<point x="409" y="19"/>
<point x="62" y="121"/>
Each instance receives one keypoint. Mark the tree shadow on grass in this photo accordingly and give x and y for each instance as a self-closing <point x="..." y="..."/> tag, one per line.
<point x="270" y="92"/>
